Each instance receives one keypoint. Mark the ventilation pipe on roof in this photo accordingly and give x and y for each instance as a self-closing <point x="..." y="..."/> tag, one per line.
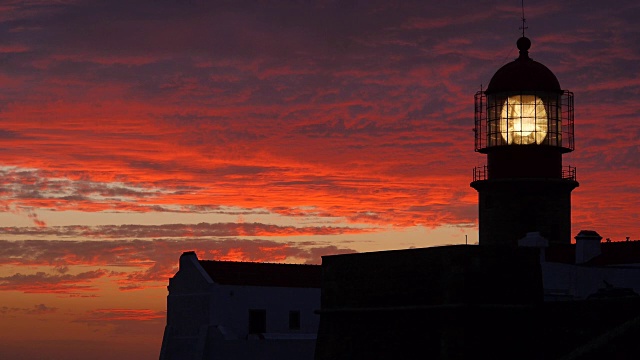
<point x="535" y="240"/>
<point x="187" y="258"/>
<point x="587" y="246"/>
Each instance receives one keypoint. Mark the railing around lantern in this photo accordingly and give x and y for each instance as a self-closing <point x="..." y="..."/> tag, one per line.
<point x="569" y="173"/>
<point x="480" y="173"/>
<point x="567" y="112"/>
<point x="480" y="120"/>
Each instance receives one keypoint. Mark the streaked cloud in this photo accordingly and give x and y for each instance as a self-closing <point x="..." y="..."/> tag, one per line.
<point x="106" y="316"/>
<point x="42" y="282"/>
<point x="39" y="310"/>
<point x="134" y="265"/>
<point x="176" y="231"/>
<point x="271" y="131"/>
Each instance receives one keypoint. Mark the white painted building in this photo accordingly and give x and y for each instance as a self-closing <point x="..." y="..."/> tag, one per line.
<point x="241" y="310"/>
<point x="589" y="268"/>
<point x="245" y="310"/>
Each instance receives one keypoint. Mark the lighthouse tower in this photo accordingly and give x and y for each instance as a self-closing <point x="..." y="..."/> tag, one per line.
<point x="524" y="124"/>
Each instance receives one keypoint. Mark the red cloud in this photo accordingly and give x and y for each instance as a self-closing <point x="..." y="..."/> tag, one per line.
<point x="42" y="282"/>
<point x="178" y="230"/>
<point x="39" y="309"/>
<point x="103" y="316"/>
<point x="366" y="121"/>
<point x="136" y="264"/>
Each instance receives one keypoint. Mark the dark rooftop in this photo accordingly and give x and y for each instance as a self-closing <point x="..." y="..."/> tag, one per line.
<point x="263" y="274"/>
<point x="523" y="74"/>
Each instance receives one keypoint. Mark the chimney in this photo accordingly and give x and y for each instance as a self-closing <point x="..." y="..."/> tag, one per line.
<point x="587" y="245"/>
<point x="187" y="258"/>
<point x="535" y="240"/>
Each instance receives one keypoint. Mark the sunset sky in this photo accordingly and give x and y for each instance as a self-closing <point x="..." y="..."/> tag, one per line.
<point x="267" y="130"/>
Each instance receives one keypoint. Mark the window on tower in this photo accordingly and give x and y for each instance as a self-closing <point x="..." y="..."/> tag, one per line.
<point x="523" y="120"/>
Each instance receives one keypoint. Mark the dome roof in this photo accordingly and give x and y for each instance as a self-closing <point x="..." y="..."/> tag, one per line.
<point x="523" y="74"/>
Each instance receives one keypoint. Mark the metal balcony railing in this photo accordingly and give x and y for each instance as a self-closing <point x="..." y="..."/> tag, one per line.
<point x="482" y="173"/>
<point x="569" y="173"/>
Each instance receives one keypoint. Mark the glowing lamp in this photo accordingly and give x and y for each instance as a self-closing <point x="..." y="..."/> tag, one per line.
<point x="523" y="120"/>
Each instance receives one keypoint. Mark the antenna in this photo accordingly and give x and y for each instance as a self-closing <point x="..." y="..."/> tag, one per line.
<point x="524" y="21"/>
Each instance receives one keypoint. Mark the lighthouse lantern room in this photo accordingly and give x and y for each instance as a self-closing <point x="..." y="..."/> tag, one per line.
<point x="524" y="124"/>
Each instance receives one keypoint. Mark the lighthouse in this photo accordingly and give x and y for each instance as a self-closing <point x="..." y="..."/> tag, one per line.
<point x="524" y="125"/>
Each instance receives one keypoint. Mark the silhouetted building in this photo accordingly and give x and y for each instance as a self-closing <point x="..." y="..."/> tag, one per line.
<point x="448" y="302"/>
<point x="526" y="292"/>
<point x="590" y="268"/>
<point x="241" y="310"/>
<point x="533" y="301"/>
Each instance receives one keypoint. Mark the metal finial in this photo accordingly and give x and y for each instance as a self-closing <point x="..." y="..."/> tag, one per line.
<point x="524" y="21"/>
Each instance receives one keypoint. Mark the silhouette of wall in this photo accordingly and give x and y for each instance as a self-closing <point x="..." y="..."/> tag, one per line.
<point x="606" y="328"/>
<point x="437" y="303"/>
<point x="459" y="302"/>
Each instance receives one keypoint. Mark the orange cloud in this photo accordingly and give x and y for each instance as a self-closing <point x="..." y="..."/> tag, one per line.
<point x="39" y="310"/>
<point x="177" y="230"/>
<point x="336" y="117"/>
<point x="133" y="265"/>
<point x="42" y="282"/>
<point x="104" y="316"/>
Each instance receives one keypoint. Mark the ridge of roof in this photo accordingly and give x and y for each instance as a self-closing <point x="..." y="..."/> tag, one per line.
<point x="257" y="262"/>
<point x="263" y="274"/>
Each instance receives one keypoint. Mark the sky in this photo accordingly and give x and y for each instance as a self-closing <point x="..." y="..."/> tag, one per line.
<point x="263" y="130"/>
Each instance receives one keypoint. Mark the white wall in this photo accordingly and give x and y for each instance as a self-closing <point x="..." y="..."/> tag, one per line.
<point x="231" y="305"/>
<point x="209" y="320"/>
<point x="582" y="281"/>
